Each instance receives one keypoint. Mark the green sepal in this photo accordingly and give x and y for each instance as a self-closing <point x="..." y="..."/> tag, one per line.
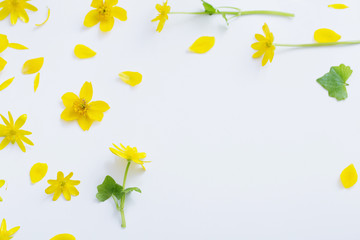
<point x="209" y="9"/>
<point x="107" y="189"/>
<point x="335" y="81"/>
<point x="136" y="189"/>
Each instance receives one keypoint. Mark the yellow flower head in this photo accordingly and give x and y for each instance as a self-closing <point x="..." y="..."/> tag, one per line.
<point x="5" y="234"/>
<point x="16" y="9"/>
<point x="163" y="15"/>
<point x="63" y="185"/>
<point x="104" y="13"/>
<point x="82" y="109"/>
<point x="13" y="133"/>
<point x="264" y="46"/>
<point x="129" y="153"/>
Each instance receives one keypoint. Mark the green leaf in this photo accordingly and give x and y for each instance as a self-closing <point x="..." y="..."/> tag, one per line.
<point x="118" y="191"/>
<point x="209" y="9"/>
<point x="132" y="189"/>
<point x="107" y="189"/>
<point x="335" y="81"/>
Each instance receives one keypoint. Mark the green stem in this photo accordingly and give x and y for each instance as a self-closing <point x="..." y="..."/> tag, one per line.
<point x="239" y="13"/>
<point x="122" y="201"/>
<point x="116" y="202"/>
<point x="317" y="44"/>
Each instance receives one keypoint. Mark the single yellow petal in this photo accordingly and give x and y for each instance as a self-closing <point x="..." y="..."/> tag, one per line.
<point x="23" y="15"/>
<point x="4" y="42"/>
<point x="36" y="81"/>
<point x="82" y="52"/>
<point x="111" y="2"/>
<point x="64" y="236"/>
<point x="4" y="143"/>
<point x="324" y="35"/>
<point x="99" y="106"/>
<point x="13" y="230"/>
<point x="17" y="46"/>
<point x="349" y="176"/>
<point x="85" y="123"/>
<point x="131" y="78"/>
<point x="38" y="172"/>
<point x="14" y="17"/>
<point x="107" y="24"/>
<point x="338" y="6"/>
<point x="92" y="18"/>
<point x="20" y="144"/>
<point x="1" y="199"/>
<point x="95" y="115"/>
<point x="86" y="91"/>
<point x="69" y="99"/>
<point x="20" y="121"/>
<point x="202" y="44"/>
<point x="47" y="18"/>
<point x="96" y="3"/>
<point x="6" y="83"/>
<point x="2" y="183"/>
<point x="4" y="13"/>
<point x="69" y="114"/>
<point x="3" y="226"/>
<point x="2" y="63"/>
<point x="33" y="65"/>
<point x="119" y="13"/>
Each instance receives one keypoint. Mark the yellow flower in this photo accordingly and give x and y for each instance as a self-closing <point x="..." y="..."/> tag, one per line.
<point x="16" y="9"/>
<point x="163" y="15"/>
<point x="5" y="234"/>
<point x="264" y="46"/>
<point x="104" y="13"/>
<point x="63" y="185"/>
<point x="13" y="133"/>
<point x="81" y="109"/>
<point x="130" y="154"/>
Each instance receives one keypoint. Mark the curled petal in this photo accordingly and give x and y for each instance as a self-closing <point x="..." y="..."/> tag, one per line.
<point x="47" y="18"/>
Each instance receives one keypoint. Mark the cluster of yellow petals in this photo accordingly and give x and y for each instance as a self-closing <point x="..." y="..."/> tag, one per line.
<point x="163" y="15"/>
<point x="63" y="185"/>
<point x="82" y="109"/>
<point x="12" y="132"/>
<point x="104" y="13"/>
<point x="130" y="154"/>
<point x="264" y="46"/>
<point x="16" y="9"/>
<point x="4" y="233"/>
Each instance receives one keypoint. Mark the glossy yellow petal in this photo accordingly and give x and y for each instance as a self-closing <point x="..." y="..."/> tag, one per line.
<point x="2" y="183"/>
<point x="107" y="24"/>
<point x="95" y="115"/>
<point x="82" y="52"/>
<point x="85" y="123"/>
<point x="324" y="35"/>
<point x="4" y="143"/>
<point x="23" y="15"/>
<point x="64" y="236"/>
<point x="33" y="65"/>
<point x="38" y="172"/>
<point x="36" y="81"/>
<point x="96" y="3"/>
<point x="13" y="230"/>
<point x="6" y="83"/>
<point x="131" y="78"/>
<point x="2" y="64"/>
<point x="86" y="91"/>
<point x="17" y="46"/>
<point x="338" y="6"/>
<point x="20" y="121"/>
<point x="4" y="42"/>
<point x="47" y="18"/>
<point x="4" y="13"/>
<point x="119" y="13"/>
<point x="99" y="106"/>
<point x="69" y="114"/>
<point x="111" y="2"/>
<point x="92" y="18"/>
<point x="349" y="176"/>
<point x="14" y="17"/>
<point x="69" y="99"/>
<point x="202" y="44"/>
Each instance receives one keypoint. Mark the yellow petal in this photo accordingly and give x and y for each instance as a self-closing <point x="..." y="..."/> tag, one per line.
<point x="38" y="172"/>
<point x="100" y="106"/>
<point x="6" y="83"/>
<point x="4" y="42"/>
<point x="2" y="63"/>
<point x="69" y="114"/>
<point x="17" y="46"/>
<point x="2" y="183"/>
<point x="86" y="91"/>
<point x="85" y="123"/>
<point x="92" y="18"/>
<point x="338" y="6"/>
<point x="324" y="35"/>
<point x="36" y="81"/>
<point x="33" y="65"/>
<point x="202" y="44"/>
<point x="107" y="24"/>
<point x="64" y="236"/>
<point x="349" y="176"/>
<point x="69" y="99"/>
<point x="1" y="199"/>
<point x="47" y="18"/>
<point x="131" y="78"/>
<point x="82" y="51"/>
<point x="119" y="13"/>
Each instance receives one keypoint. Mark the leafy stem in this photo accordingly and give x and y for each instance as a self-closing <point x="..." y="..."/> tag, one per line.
<point x="241" y="13"/>
<point x="122" y="201"/>
<point x="317" y="44"/>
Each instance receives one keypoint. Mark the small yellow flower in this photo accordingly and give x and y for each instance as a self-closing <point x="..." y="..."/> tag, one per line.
<point x="130" y="154"/>
<point x="5" y="234"/>
<point x="16" y="9"/>
<point x="163" y="15"/>
<point x="13" y="133"/>
<point x="104" y="13"/>
<point x="81" y="109"/>
<point x="63" y="185"/>
<point x="264" y="46"/>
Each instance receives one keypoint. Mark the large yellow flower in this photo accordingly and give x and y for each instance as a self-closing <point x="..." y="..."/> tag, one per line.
<point x="63" y="185"/>
<point x="16" y="9"/>
<point x="130" y="154"/>
<point x="13" y="133"/>
<point x="264" y="46"/>
<point x="163" y="15"/>
<point x="104" y="13"/>
<point x="4" y="233"/>
<point x="81" y="109"/>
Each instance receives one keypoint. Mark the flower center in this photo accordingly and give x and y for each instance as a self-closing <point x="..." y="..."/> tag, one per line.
<point x="104" y="11"/>
<point x="12" y="132"/>
<point x="80" y="106"/>
<point x="15" y="3"/>
<point x="62" y="184"/>
<point x="268" y="44"/>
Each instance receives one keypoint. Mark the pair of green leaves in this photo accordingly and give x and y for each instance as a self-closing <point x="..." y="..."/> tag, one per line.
<point x="210" y="9"/>
<point x="335" y="81"/>
<point x="109" y="188"/>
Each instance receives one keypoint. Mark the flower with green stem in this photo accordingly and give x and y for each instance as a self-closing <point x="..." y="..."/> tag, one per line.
<point x="109" y="187"/>
<point x="265" y="45"/>
<point x="225" y="12"/>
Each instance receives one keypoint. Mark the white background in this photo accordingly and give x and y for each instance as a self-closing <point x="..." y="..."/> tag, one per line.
<point x="238" y="151"/>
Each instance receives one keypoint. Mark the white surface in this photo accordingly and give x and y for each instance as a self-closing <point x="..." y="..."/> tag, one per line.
<point x="238" y="151"/>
